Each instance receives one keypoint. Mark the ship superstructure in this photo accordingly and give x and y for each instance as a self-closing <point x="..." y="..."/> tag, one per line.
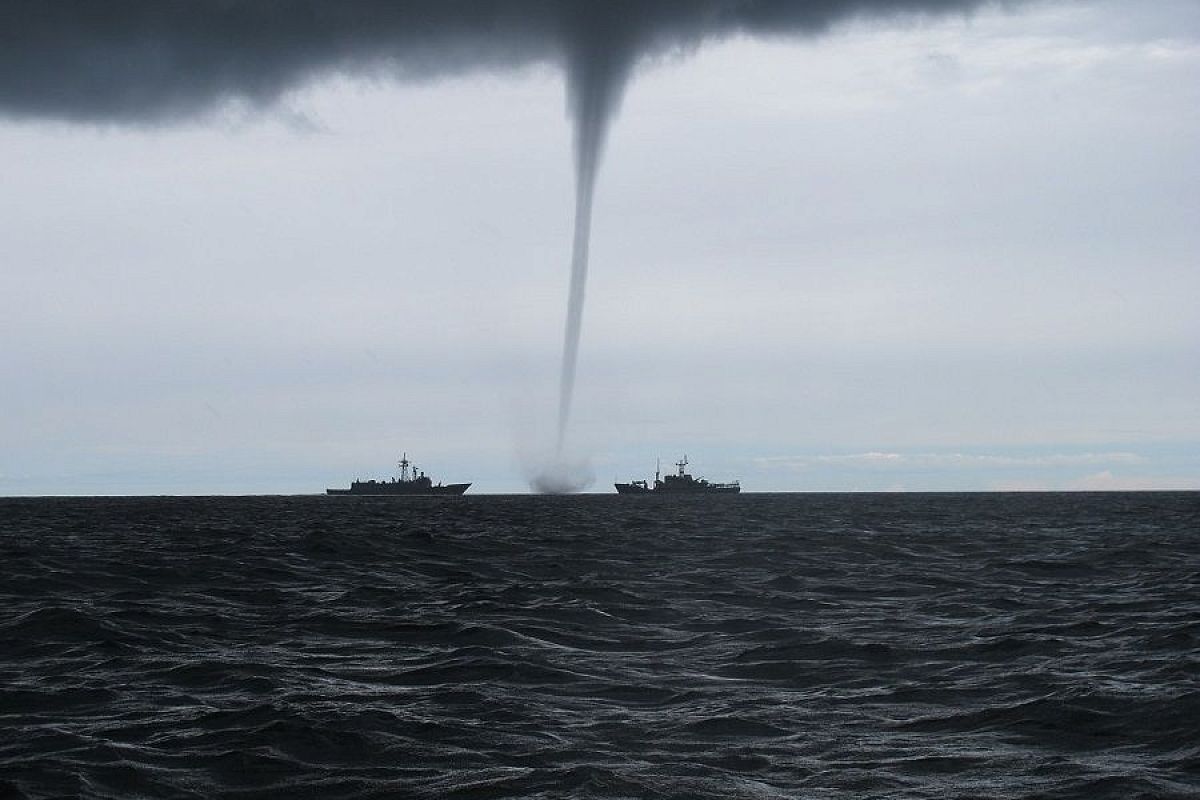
<point x="679" y="483"/>
<point x="411" y="482"/>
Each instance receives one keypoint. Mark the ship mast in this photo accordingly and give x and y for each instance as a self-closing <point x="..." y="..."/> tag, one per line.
<point x="681" y="465"/>
<point x="404" y="462"/>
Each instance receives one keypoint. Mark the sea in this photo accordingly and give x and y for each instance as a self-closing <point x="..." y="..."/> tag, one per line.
<point x="591" y="646"/>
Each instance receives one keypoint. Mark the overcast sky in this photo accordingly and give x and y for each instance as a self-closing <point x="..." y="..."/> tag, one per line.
<point x="956" y="252"/>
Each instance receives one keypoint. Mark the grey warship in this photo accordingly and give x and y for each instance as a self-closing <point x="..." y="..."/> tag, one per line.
<point x="411" y="483"/>
<point x="679" y="483"/>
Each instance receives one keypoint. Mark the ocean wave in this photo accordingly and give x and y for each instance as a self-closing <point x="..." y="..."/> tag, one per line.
<point x="756" y="646"/>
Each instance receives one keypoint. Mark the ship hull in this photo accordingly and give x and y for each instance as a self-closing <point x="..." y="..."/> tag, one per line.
<point x="705" y="490"/>
<point x="632" y="488"/>
<point x="400" y="489"/>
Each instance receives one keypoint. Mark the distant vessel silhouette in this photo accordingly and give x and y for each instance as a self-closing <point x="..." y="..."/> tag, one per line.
<point x="410" y="483"/>
<point x="680" y="483"/>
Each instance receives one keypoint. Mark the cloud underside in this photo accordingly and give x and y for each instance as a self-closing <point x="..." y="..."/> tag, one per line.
<point x="147" y="60"/>
<point x="918" y="461"/>
<point x="1095" y="471"/>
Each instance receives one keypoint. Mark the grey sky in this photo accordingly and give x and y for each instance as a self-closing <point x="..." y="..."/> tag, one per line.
<point x="953" y="253"/>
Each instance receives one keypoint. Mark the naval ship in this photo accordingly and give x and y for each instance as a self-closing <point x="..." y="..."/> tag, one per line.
<point x="680" y="483"/>
<point x="410" y="483"/>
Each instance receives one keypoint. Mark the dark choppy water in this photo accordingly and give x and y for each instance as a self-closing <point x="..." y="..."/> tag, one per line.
<point x="760" y="646"/>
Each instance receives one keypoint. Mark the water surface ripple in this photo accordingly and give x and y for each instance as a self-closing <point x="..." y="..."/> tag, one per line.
<point x="760" y="646"/>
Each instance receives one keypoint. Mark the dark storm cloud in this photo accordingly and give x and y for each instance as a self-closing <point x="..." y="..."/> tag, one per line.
<point x="137" y="60"/>
<point x="129" y="60"/>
